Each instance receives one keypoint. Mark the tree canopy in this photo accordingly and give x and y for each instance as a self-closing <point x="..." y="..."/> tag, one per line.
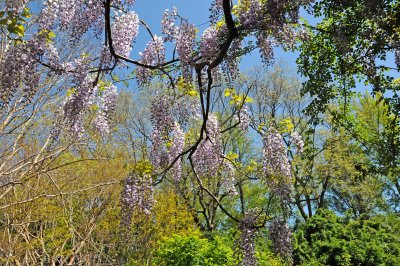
<point x="178" y="156"/>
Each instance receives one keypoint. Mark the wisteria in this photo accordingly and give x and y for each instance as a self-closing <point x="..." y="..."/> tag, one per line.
<point x="175" y="151"/>
<point x="168" y="24"/>
<point x="109" y="99"/>
<point x="163" y="123"/>
<point x="185" y="41"/>
<point x="19" y="68"/>
<point x="124" y="30"/>
<point x="244" y="118"/>
<point x="101" y="123"/>
<point x="186" y="108"/>
<point x="78" y="17"/>
<point x="219" y="162"/>
<point x="251" y="14"/>
<point x="16" y="6"/>
<point x="137" y="196"/>
<point x="106" y="109"/>
<point x="158" y="155"/>
<point x="49" y="15"/>
<point x="54" y="60"/>
<point x="297" y="141"/>
<point x="75" y="17"/>
<point x="207" y="157"/>
<point x="67" y="11"/>
<point x="276" y="161"/>
<point x="209" y="46"/>
<point x="215" y="10"/>
<point x="247" y="239"/>
<point x="161" y="115"/>
<point x="266" y="48"/>
<point x="276" y="164"/>
<point x="184" y="36"/>
<point x="153" y="55"/>
<point x="281" y="237"/>
<point x="77" y="104"/>
<point x="84" y="95"/>
<point x="229" y="181"/>
<point x="90" y="17"/>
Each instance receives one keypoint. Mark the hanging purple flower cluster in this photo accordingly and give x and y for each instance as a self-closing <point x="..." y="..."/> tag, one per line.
<point x="276" y="161"/>
<point x="76" y="104"/>
<point x="244" y="118"/>
<point x="274" y="17"/>
<point x="163" y="123"/>
<point x="251" y="14"/>
<point x="276" y="164"/>
<point x="184" y="35"/>
<point x="207" y="157"/>
<point x="168" y="24"/>
<point x="77" y="16"/>
<point x="137" y="197"/>
<point x="153" y="55"/>
<point x="229" y="181"/>
<point x="186" y="108"/>
<point x="247" y="239"/>
<point x="175" y="150"/>
<point x="297" y="141"/>
<point x="125" y="29"/>
<point x="215" y="10"/>
<point x="106" y="109"/>
<point x="19" y="68"/>
<point x="281" y="237"/>
<point x="266" y="47"/>
<point x="185" y="41"/>
<point x="209" y="46"/>
<point x="16" y="6"/>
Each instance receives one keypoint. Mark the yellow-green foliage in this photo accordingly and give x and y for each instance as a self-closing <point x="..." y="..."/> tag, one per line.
<point x="169" y="217"/>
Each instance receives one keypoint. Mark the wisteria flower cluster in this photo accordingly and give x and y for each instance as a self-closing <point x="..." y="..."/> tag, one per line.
<point x="207" y="157"/>
<point x="186" y="108"/>
<point x="16" y="6"/>
<point x="161" y="114"/>
<point x="108" y="101"/>
<point x="19" y="68"/>
<point x="276" y="164"/>
<point x="162" y="122"/>
<point x="83" y="96"/>
<point x="247" y="239"/>
<point x="229" y="180"/>
<point x="276" y="161"/>
<point x="125" y="29"/>
<point x="168" y="24"/>
<point x="137" y="196"/>
<point x="266" y="46"/>
<point x="244" y="118"/>
<point x="297" y="141"/>
<point x="184" y="35"/>
<point x="76" y="105"/>
<point x="175" y="151"/>
<point x="185" y="41"/>
<point x="209" y="46"/>
<point x="76" y="17"/>
<point x="281" y="237"/>
<point x="153" y="55"/>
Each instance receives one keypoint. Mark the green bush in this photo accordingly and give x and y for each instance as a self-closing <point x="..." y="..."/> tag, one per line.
<point x="327" y="239"/>
<point x="193" y="250"/>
